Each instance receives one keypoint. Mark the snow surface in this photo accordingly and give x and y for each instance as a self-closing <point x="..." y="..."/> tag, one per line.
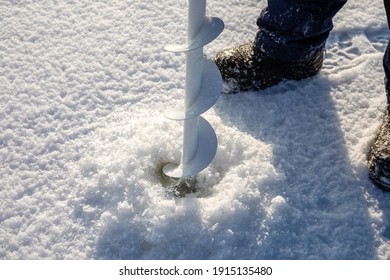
<point x="83" y="88"/>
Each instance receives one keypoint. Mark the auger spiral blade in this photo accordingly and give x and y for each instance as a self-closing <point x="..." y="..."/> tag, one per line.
<point x="204" y="154"/>
<point x="209" y="92"/>
<point x="202" y="88"/>
<point x="209" y="31"/>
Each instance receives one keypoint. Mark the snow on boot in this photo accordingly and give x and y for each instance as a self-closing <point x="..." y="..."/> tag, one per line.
<point x="379" y="157"/>
<point x="246" y="68"/>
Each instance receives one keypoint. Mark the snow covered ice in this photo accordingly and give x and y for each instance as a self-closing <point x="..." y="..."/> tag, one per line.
<point x="83" y="88"/>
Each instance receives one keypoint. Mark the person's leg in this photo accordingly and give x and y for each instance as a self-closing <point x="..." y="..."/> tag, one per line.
<point x="295" y="29"/>
<point x="379" y="157"/>
<point x="289" y="45"/>
<point x="386" y="57"/>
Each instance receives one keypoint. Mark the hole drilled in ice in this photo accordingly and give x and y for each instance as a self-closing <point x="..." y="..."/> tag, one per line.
<point x="178" y="187"/>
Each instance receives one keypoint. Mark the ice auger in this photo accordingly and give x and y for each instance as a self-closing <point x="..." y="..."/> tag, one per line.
<point x="203" y="84"/>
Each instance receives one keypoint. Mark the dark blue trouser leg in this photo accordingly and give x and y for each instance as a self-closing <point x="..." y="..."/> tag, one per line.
<point x="294" y="29"/>
<point x="386" y="57"/>
<point x="386" y="66"/>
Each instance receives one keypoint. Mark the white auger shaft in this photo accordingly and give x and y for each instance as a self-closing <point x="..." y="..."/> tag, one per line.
<point x="202" y="89"/>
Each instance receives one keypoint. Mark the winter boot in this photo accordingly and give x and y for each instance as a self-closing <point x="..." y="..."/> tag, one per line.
<point x="246" y="68"/>
<point x="379" y="157"/>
